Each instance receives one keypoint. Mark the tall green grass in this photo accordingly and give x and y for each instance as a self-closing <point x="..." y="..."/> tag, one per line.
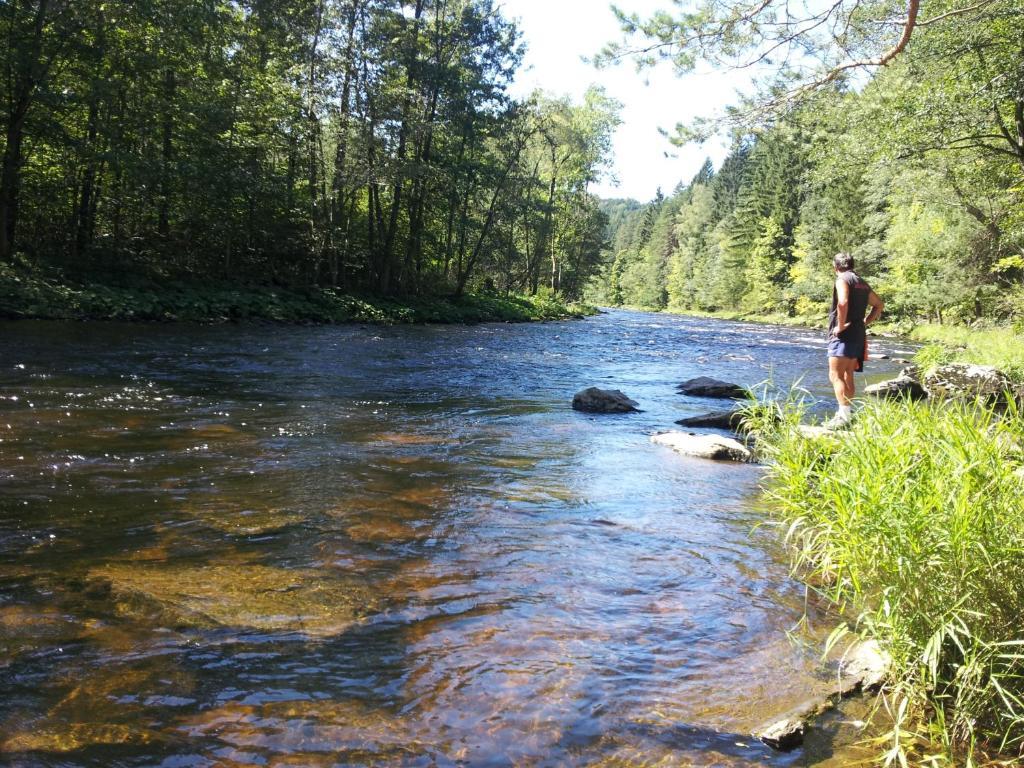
<point x="914" y="522"/>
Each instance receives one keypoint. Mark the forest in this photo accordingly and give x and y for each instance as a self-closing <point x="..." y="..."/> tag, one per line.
<point x="368" y="146"/>
<point x="918" y="171"/>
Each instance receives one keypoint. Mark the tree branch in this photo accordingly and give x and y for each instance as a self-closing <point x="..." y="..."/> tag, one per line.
<point x="955" y="12"/>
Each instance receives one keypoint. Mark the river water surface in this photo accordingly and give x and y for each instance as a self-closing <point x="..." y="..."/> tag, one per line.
<point x="268" y="545"/>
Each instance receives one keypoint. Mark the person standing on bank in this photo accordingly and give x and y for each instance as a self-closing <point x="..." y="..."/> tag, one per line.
<point x="847" y="333"/>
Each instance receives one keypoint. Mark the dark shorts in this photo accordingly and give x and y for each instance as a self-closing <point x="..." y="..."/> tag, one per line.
<point x="849" y="345"/>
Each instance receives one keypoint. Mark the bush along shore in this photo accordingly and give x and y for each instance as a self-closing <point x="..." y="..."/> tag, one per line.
<point x="911" y="523"/>
<point x="30" y="295"/>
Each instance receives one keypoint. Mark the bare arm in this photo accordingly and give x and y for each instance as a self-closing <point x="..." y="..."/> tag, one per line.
<point x="877" y="305"/>
<point x="842" y="306"/>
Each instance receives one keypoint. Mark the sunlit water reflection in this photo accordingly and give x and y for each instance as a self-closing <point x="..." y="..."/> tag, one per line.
<point x="264" y="545"/>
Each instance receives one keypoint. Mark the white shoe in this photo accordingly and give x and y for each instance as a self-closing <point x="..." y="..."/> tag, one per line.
<point x="839" y="421"/>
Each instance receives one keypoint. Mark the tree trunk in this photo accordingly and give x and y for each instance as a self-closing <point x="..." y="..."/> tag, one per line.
<point x="166" y="156"/>
<point x="549" y="228"/>
<point x="24" y="87"/>
<point x="463" y="277"/>
<point x="86" y="205"/>
<point x="10" y="183"/>
<point x="313" y="147"/>
<point x="341" y="218"/>
<point x="385" y="283"/>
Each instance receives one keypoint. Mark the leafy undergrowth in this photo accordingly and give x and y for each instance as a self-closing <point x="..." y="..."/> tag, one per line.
<point x="1000" y="347"/>
<point x="28" y="295"/>
<point x="913" y="521"/>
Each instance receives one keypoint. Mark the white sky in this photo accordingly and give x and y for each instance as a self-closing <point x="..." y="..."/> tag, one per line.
<point x="559" y="32"/>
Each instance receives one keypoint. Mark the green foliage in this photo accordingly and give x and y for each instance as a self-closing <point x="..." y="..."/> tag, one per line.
<point x="912" y="520"/>
<point x="931" y="356"/>
<point x="28" y="295"/>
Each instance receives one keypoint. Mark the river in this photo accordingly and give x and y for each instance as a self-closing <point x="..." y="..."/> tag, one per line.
<point x="271" y="545"/>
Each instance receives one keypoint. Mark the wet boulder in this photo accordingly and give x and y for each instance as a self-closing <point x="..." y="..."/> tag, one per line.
<point x="715" y="420"/>
<point x="967" y="381"/>
<point x="594" y="400"/>
<point x="903" y="386"/>
<point x="705" y="386"/>
<point x="783" y="735"/>
<point x="866" y="665"/>
<point x="704" y="446"/>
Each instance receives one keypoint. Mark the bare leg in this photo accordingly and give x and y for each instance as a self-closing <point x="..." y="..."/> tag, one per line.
<point x="840" y="373"/>
<point x="850" y="386"/>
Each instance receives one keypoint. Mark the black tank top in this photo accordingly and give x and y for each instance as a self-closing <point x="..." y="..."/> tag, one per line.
<point x="857" y="308"/>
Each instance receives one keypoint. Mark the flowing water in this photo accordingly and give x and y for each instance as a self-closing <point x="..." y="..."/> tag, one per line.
<point x="267" y="545"/>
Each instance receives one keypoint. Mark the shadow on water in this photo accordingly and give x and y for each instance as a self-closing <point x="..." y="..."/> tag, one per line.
<point x="319" y="546"/>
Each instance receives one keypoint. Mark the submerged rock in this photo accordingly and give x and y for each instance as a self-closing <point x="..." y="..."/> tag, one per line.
<point x="903" y="386"/>
<point x="864" y="667"/>
<point x="704" y="386"/>
<point x="243" y="596"/>
<point x="715" y="420"/>
<point x="704" y="446"/>
<point x="783" y="735"/>
<point x="594" y="400"/>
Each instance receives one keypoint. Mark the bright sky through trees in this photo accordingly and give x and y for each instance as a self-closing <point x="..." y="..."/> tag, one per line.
<point x="559" y="33"/>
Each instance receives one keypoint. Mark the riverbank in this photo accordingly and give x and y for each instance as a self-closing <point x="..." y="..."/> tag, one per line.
<point x="911" y="524"/>
<point x="998" y="346"/>
<point x="764" y="318"/>
<point x="31" y="295"/>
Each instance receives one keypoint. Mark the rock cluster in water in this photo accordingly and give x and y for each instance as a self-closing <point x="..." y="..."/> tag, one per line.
<point x="706" y="446"/>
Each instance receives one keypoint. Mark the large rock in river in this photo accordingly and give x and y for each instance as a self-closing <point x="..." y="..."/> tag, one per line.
<point x="903" y="386"/>
<point x="594" y="400"/>
<point x="704" y="446"/>
<point x="704" y="386"/>
<point x="715" y="420"/>
<point x="967" y="381"/>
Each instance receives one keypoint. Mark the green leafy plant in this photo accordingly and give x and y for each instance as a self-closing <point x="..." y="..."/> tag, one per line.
<point x="911" y="521"/>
